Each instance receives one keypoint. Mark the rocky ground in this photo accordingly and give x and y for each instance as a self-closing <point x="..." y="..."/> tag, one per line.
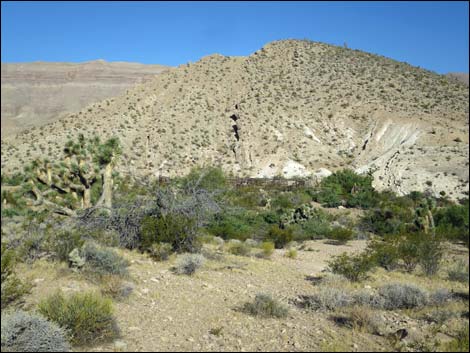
<point x="169" y="312"/>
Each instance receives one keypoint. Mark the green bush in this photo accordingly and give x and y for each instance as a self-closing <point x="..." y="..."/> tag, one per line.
<point x="280" y="237"/>
<point x="408" y="247"/>
<point x="238" y="224"/>
<point x="452" y="222"/>
<point x="348" y="188"/>
<point x="236" y="247"/>
<point x="460" y="343"/>
<point x="174" y="229"/>
<point x="291" y="253"/>
<point x="384" y="253"/>
<point x="265" y="306"/>
<point x="317" y="226"/>
<point x="12" y="288"/>
<point x="208" y="178"/>
<point x="24" y="332"/>
<point x="87" y="317"/>
<point x="103" y="261"/>
<point x="267" y="249"/>
<point x="389" y="219"/>
<point x="429" y="255"/>
<point x="353" y="267"/>
<point x="341" y="235"/>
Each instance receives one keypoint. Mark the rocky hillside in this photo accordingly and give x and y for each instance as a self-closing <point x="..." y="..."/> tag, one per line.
<point x="34" y="94"/>
<point x="293" y="108"/>
<point x="459" y="77"/>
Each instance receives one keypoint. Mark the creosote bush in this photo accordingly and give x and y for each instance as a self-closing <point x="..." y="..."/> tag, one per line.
<point x="340" y="234"/>
<point x="279" y="236"/>
<point x="87" y="317"/>
<point x="265" y="306"/>
<point x="24" y="332"/>
<point x="353" y="267"/>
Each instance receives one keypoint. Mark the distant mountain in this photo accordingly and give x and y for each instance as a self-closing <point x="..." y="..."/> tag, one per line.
<point x="292" y="108"/>
<point x="34" y="94"/>
<point x="459" y="76"/>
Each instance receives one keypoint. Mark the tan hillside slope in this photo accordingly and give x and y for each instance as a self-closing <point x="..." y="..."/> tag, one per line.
<point x="34" y="94"/>
<point x="293" y="108"/>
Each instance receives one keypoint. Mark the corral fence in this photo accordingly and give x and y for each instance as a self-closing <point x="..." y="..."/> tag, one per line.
<point x="268" y="183"/>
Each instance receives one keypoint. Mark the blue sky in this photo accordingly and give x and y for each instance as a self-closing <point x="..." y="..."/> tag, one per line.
<point x="432" y="35"/>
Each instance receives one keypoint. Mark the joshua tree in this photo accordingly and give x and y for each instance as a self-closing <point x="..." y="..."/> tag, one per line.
<point x="84" y="178"/>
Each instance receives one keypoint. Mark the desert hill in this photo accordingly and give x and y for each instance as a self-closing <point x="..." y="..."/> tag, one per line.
<point x="293" y="108"/>
<point x="459" y="77"/>
<point x="34" y="94"/>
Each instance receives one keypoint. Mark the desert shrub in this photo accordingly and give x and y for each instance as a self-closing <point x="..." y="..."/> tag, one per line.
<point x="280" y="237"/>
<point x="237" y="224"/>
<point x="282" y="201"/>
<point x="188" y="264"/>
<point x="452" y="222"/>
<point x="160" y="251"/>
<point x="388" y="219"/>
<point x="64" y="242"/>
<point x="174" y="229"/>
<point x="340" y="234"/>
<point x="353" y="267"/>
<point x="267" y="249"/>
<point x="367" y="299"/>
<point x="24" y="332"/>
<point x="208" y="178"/>
<point x="114" y="287"/>
<point x="403" y="296"/>
<point x="291" y="253"/>
<point x="103" y="261"/>
<point x="12" y="288"/>
<point x="408" y="248"/>
<point x="265" y="306"/>
<point x="384" y="254"/>
<point x="87" y="317"/>
<point x="326" y="298"/>
<point x="236" y="247"/>
<point x="458" y="272"/>
<point x="429" y="255"/>
<point x="460" y="343"/>
<point x="359" y="318"/>
<point x="348" y="188"/>
<point x="317" y="226"/>
<point x="440" y="297"/>
<point x="440" y="316"/>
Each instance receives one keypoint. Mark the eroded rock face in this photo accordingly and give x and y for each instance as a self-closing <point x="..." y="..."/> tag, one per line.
<point x="34" y="94"/>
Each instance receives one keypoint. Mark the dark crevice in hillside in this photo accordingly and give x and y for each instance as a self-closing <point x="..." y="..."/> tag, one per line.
<point x="235" y="130"/>
<point x="365" y="144"/>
